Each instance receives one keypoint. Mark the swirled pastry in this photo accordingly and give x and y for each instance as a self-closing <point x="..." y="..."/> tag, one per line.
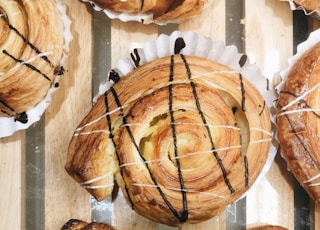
<point x="182" y="136"/>
<point x="309" y="5"/>
<point x="31" y="45"/>
<point x="298" y="121"/>
<point x="161" y="10"/>
<point x="75" y="224"/>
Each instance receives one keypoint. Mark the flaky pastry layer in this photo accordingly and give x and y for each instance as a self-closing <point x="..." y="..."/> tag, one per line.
<point x="298" y="121"/>
<point x="182" y="136"/>
<point x="75" y="224"/>
<point x="309" y="5"/>
<point x="31" y="47"/>
<point x="161" y="10"/>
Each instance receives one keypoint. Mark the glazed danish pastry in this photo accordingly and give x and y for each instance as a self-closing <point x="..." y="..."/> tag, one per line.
<point x="31" y="45"/>
<point x="161" y="10"/>
<point x="309" y="5"/>
<point x="183" y="137"/>
<point x="298" y="121"/>
<point x="75" y="224"/>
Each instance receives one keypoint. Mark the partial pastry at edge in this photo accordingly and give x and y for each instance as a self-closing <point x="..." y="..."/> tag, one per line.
<point x="309" y="5"/>
<point x="159" y="9"/>
<point x="182" y="136"/>
<point x="31" y="47"/>
<point x="75" y="224"/>
<point x="298" y="121"/>
<point x="268" y="227"/>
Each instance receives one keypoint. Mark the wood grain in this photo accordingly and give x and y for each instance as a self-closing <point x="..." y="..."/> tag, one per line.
<point x="211" y="22"/>
<point x="64" y="199"/>
<point x="12" y="211"/>
<point x="268" y="39"/>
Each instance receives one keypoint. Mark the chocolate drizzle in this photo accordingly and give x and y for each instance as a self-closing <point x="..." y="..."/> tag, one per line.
<point x="45" y="58"/>
<point x="27" y="65"/>
<point x="114" y="76"/>
<point x="243" y="93"/>
<point x="243" y="60"/>
<point x="135" y="57"/>
<point x="182" y="215"/>
<point x="22" y="117"/>
<point x="219" y="160"/>
<point x="262" y="108"/>
<point x="179" y="45"/>
<point x="111" y="136"/>
<point x="295" y="132"/>
<point x="305" y="147"/>
<point x="246" y="173"/>
<point x="6" y="105"/>
<point x="59" y="70"/>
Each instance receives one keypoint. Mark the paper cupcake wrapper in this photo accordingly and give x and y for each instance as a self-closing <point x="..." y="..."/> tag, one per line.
<point x="201" y="46"/>
<point x="145" y="18"/>
<point x="294" y="6"/>
<point x="8" y="124"/>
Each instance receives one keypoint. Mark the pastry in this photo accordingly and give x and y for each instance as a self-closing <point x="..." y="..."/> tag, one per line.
<point x="268" y="227"/>
<point x="183" y="136"/>
<point x="31" y="45"/>
<point x="298" y="121"/>
<point x="75" y="224"/>
<point x="309" y="5"/>
<point x="160" y="10"/>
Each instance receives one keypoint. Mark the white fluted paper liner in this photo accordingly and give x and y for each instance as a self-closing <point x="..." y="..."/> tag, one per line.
<point x="294" y="6"/>
<point x="204" y="47"/>
<point x="8" y="125"/>
<point x="145" y="18"/>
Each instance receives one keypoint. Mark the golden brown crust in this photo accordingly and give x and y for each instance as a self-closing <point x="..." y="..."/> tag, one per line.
<point x="161" y="9"/>
<point x="75" y="224"/>
<point x="180" y="149"/>
<point x="185" y="9"/>
<point x="298" y="121"/>
<point x="268" y="227"/>
<point x="309" y="5"/>
<point x="31" y="50"/>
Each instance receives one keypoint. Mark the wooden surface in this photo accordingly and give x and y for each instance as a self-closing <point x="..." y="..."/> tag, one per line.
<point x="266" y="35"/>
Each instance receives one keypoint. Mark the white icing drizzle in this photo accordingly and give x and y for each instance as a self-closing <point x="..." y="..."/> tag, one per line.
<point x="91" y="132"/>
<point x="45" y="54"/>
<point x="207" y="125"/>
<point x="180" y="190"/>
<point x="78" y="130"/>
<point x="146" y="162"/>
<point x="301" y="96"/>
<point x="214" y="73"/>
<point x="312" y="178"/>
<point x="314" y="185"/>
<point x="298" y="111"/>
<point x="98" y="186"/>
<point x="79" y="133"/>
<point x="36" y="112"/>
<point x="260" y="141"/>
<point x="97" y="179"/>
<point x="180" y="157"/>
<point x="262" y="130"/>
